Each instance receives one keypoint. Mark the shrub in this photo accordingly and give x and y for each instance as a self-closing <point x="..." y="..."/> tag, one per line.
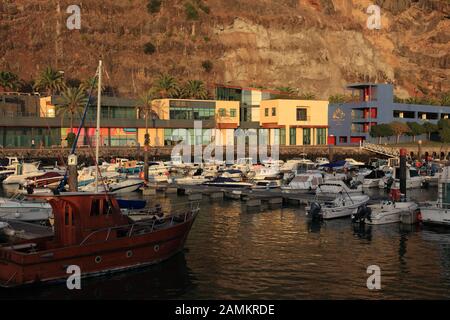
<point x="70" y="139"/>
<point x="207" y="65"/>
<point x="149" y="48"/>
<point x="154" y="6"/>
<point x="191" y="11"/>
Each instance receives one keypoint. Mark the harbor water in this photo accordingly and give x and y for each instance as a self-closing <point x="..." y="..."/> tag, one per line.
<point x="279" y="254"/>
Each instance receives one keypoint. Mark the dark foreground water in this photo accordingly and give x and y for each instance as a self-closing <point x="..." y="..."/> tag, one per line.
<point x="278" y="254"/>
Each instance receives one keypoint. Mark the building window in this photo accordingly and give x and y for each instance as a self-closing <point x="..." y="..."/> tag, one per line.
<point x="428" y="115"/>
<point x="306" y="136"/>
<point x="233" y="113"/>
<point x="222" y="112"/>
<point x="266" y="112"/>
<point x="274" y="112"/>
<point x="302" y="114"/>
<point x="342" y="139"/>
<point x="282" y="136"/>
<point x="404" y="114"/>
<point x="321" y="136"/>
<point x="292" y="136"/>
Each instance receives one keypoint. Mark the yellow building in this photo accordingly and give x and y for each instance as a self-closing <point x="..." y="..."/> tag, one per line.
<point x="172" y="118"/>
<point x="295" y="122"/>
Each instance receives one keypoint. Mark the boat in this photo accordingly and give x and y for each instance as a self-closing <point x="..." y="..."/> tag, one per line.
<point x="91" y="232"/>
<point x="321" y="161"/>
<point x="22" y="172"/>
<point x="387" y="211"/>
<point x="438" y="212"/>
<point x="353" y="163"/>
<point x="227" y="183"/>
<point x="266" y="184"/>
<point x="372" y="180"/>
<point x="344" y="205"/>
<point x="306" y="182"/>
<point x="339" y="186"/>
<point x="267" y="173"/>
<point x="413" y="179"/>
<point x="15" y="209"/>
<point x="119" y="185"/>
<point x="44" y="180"/>
<point x="131" y="167"/>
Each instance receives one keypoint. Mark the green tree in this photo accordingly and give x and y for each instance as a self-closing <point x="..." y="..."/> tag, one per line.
<point x="399" y="129"/>
<point x="381" y="131"/>
<point x="445" y="99"/>
<point x="166" y="86"/>
<point x="429" y="128"/>
<point x="338" y="98"/>
<point x="9" y="81"/>
<point x="73" y="101"/>
<point x="144" y="106"/>
<point x="195" y="89"/>
<point x="307" y="96"/>
<point x="287" y="90"/>
<point x="50" y="81"/>
<point x="415" y="129"/>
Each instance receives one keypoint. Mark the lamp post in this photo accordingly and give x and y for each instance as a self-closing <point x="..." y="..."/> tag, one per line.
<point x="419" y="149"/>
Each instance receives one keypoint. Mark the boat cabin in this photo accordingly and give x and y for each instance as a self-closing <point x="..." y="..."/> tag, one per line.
<point x="78" y="215"/>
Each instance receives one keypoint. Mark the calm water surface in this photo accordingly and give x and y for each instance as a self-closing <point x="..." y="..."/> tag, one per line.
<point x="278" y="254"/>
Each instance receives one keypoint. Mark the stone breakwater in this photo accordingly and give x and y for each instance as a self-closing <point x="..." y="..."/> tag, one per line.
<point x="86" y="155"/>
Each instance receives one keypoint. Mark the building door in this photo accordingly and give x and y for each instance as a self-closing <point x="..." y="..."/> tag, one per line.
<point x="306" y="136"/>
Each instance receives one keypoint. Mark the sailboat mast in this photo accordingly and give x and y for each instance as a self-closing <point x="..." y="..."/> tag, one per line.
<point x="97" y="131"/>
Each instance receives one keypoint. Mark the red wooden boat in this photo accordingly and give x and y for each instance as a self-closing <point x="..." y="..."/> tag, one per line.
<point x="90" y="231"/>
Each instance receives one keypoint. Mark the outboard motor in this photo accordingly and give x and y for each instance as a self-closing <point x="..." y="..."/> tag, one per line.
<point x="314" y="211"/>
<point x="362" y="214"/>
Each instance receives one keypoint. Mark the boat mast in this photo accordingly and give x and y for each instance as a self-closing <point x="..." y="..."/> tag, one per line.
<point x="97" y="131"/>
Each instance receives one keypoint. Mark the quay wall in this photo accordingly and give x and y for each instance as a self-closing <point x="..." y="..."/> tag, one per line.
<point x="50" y="155"/>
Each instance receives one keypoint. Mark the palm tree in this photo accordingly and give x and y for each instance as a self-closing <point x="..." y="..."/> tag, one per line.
<point x="307" y="96"/>
<point x="287" y="90"/>
<point x="50" y="81"/>
<point x="73" y="101"/>
<point x="166" y="86"/>
<point x="9" y="81"/>
<point x="195" y="89"/>
<point x="144" y="106"/>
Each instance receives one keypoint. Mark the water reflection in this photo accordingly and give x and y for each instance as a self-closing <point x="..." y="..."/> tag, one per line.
<point x="167" y="280"/>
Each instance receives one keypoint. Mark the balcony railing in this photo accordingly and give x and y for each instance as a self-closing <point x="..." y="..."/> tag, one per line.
<point x="304" y="119"/>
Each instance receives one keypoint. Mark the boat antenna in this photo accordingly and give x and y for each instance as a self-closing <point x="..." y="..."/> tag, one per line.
<point x="74" y="145"/>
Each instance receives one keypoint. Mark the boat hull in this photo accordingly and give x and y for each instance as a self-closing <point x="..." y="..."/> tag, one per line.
<point x="93" y="259"/>
<point x="385" y="214"/>
<point x="435" y="215"/>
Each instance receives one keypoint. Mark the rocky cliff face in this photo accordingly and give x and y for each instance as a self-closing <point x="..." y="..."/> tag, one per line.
<point x="314" y="45"/>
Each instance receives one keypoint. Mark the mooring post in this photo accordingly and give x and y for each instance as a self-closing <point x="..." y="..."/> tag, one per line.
<point x="403" y="172"/>
<point x="73" y="173"/>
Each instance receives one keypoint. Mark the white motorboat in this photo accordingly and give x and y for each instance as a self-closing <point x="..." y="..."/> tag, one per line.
<point x="322" y="161"/>
<point x="23" y="171"/>
<point x="11" y="209"/>
<point x="390" y="211"/>
<point x="344" y="205"/>
<point x="266" y="173"/>
<point x="413" y="179"/>
<point x="339" y="186"/>
<point x="266" y="184"/>
<point x="354" y="163"/>
<point x="304" y="182"/>
<point x="372" y="180"/>
<point x="438" y="212"/>
<point x="227" y="183"/>
<point x="116" y="186"/>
